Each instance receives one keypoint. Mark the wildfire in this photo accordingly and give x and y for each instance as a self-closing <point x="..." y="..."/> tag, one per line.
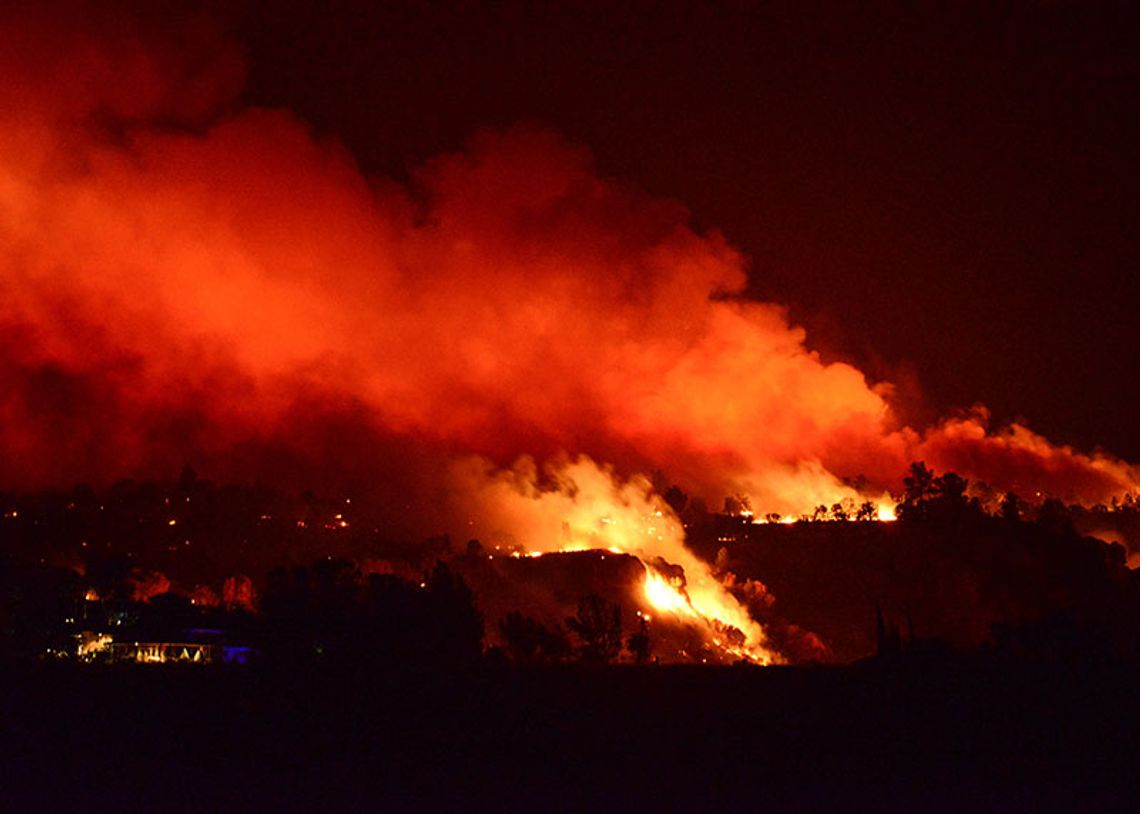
<point x="664" y="596"/>
<point x="585" y="507"/>
<point x="429" y="322"/>
<point x="728" y="626"/>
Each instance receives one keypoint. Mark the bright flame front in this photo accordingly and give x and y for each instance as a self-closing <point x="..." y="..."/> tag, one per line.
<point x="589" y="508"/>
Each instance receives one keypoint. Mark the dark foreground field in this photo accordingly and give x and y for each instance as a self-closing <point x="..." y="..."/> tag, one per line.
<point x="973" y="735"/>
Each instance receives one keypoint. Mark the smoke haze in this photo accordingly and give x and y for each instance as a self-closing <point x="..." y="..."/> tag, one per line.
<point x="187" y="280"/>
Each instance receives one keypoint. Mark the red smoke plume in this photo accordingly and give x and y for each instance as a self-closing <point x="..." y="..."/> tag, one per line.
<point x="186" y="280"/>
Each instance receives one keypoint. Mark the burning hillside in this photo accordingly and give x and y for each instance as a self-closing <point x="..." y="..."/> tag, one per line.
<point x="187" y="280"/>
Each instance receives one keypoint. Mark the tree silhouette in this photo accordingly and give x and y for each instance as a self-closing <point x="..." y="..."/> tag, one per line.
<point x="943" y="498"/>
<point x="110" y="577"/>
<point x="598" y="627"/>
<point x="918" y="489"/>
<point x="1055" y="517"/>
<point x="453" y="620"/>
<point x="328" y="610"/>
<point x="640" y="644"/>
<point x="528" y="640"/>
<point x="1011" y="507"/>
<point x="951" y="488"/>
<point x="522" y="634"/>
<point x="676" y="499"/>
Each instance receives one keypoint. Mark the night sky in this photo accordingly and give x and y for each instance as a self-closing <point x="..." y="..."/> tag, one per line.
<point x="945" y="196"/>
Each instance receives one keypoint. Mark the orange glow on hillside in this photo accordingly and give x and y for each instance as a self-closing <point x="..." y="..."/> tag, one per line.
<point x="578" y="505"/>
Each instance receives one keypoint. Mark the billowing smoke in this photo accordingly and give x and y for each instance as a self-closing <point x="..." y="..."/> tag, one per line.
<point x="185" y="280"/>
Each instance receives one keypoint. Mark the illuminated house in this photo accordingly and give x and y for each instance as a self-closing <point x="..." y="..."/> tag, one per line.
<point x="165" y="652"/>
<point x="150" y="639"/>
<point x="200" y="646"/>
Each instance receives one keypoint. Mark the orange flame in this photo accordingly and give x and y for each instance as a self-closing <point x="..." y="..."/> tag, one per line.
<point x="586" y="506"/>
